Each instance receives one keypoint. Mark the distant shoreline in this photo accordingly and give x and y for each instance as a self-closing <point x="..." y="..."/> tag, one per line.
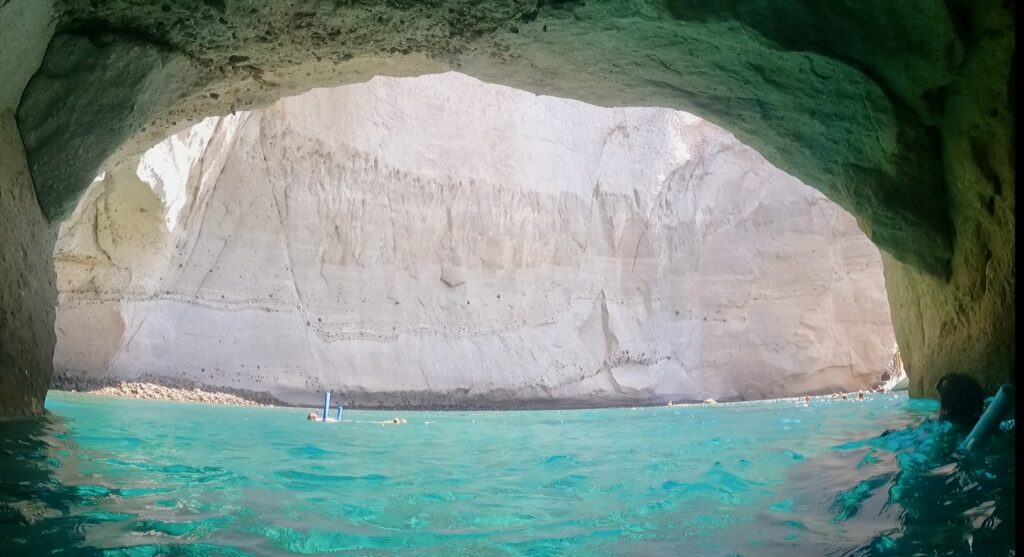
<point x="148" y="390"/>
<point x="152" y="388"/>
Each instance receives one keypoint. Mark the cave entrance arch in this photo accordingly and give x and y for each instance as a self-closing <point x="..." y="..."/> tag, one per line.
<point x="916" y="142"/>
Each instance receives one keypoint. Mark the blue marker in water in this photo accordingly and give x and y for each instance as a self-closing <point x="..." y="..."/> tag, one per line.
<point x="327" y="403"/>
<point x="339" y="413"/>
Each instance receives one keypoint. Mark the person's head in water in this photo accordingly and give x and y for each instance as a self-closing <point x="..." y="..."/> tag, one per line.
<point x="961" y="399"/>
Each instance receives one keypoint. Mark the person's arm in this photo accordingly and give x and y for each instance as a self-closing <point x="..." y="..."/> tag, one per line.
<point x="1000" y="406"/>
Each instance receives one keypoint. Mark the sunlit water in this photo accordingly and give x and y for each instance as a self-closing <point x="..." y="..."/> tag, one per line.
<point x="124" y="477"/>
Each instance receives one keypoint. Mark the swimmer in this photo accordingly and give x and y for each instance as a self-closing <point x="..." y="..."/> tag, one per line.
<point x="670" y="403"/>
<point x="860" y="396"/>
<point x="313" y="416"/>
<point x="393" y="421"/>
<point x="961" y="399"/>
<point x="962" y="403"/>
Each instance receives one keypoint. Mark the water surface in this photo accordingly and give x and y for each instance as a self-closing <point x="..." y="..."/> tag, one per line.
<point x="105" y="476"/>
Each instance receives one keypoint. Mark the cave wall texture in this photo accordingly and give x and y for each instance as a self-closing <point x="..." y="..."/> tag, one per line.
<point x="27" y="291"/>
<point x="900" y="112"/>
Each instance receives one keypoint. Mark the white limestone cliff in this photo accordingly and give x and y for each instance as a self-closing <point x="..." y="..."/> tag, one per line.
<point x="438" y="241"/>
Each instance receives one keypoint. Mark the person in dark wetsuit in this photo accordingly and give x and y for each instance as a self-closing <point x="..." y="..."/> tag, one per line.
<point x="961" y="399"/>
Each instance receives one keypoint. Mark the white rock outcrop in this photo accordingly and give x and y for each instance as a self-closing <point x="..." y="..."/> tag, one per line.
<point x="439" y="241"/>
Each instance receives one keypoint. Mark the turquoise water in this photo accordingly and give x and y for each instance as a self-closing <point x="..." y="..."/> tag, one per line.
<point x="106" y="476"/>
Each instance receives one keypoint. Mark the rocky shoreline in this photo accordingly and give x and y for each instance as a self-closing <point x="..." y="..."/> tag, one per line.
<point x="152" y="388"/>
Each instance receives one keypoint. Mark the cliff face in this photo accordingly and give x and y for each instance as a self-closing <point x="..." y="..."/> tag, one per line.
<point x="439" y="240"/>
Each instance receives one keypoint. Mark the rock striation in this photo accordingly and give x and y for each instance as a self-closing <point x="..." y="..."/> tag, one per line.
<point x="443" y="242"/>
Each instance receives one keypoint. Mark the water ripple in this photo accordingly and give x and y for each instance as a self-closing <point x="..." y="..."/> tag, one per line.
<point x="121" y="477"/>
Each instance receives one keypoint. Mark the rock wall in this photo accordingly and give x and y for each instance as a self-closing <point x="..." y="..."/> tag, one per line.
<point x="27" y="291"/>
<point x="966" y="322"/>
<point x="902" y="113"/>
<point x="833" y="96"/>
<point x="439" y="241"/>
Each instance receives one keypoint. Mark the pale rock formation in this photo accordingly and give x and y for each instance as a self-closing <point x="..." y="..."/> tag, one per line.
<point x="439" y="241"/>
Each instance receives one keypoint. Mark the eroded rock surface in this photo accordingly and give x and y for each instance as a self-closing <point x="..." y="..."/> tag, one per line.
<point x="443" y="242"/>
<point x="902" y="113"/>
<point x="27" y="283"/>
<point x="831" y="96"/>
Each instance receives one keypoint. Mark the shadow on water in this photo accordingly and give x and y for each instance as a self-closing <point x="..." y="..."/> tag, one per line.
<point x="52" y="502"/>
<point x="917" y="494"/>
<point x="35" y="507"/>
<point x="952" y="503"/>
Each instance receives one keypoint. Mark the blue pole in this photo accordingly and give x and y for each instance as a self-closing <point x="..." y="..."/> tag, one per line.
<point x="339" y="411"/>
<point x="327" y="403"/>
